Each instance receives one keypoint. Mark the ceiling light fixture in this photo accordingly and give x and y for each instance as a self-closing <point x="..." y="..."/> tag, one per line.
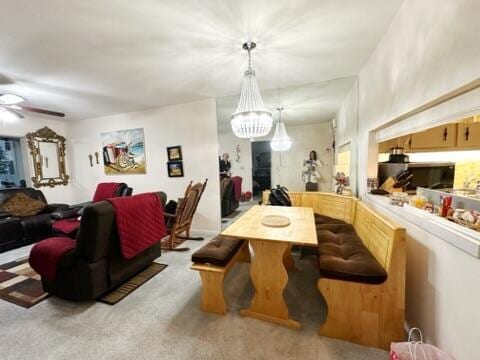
<point x="252" y="119"/>
<point x="281" y="141"/>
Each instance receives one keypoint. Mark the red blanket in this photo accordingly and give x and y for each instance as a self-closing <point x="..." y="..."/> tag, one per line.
<point x="45" y="255"/>
<point x="140" y="222"/>
<point x="237" y="187"/>
<point x="105" y="191"/>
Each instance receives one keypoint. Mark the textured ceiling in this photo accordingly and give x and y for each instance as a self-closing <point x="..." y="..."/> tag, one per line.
<point x="305" y="104"/>
<point x="93" y="58"/>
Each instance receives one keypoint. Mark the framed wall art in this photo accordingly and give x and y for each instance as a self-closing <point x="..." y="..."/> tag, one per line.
<point x="124" y="152"/>
<point x="175" y="168"/>
<point x="174" y="153"/>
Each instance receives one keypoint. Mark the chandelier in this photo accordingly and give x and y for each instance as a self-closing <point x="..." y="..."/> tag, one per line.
<point x="281" y="141"/>
<point x="251" y="119"/>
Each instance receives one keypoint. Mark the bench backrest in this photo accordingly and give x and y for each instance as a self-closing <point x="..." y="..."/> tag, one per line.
<point x="384" y="239"/>
<point x="329" y="204"/>
<point x="381" y="236"/>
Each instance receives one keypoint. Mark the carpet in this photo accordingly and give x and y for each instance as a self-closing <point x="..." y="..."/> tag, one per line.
<point x="232" y="214"/>
<point x="20" y="284"/>
<point x="132" y="284"/>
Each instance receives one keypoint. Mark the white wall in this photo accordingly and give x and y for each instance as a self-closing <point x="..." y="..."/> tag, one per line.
<point x="192" y="125"/>
<point x="346" y="130"/>
<point x="287" y="166"/>
<point x="243" y="168"/>
<point x="430" y="49"/>
<point x="19" y="128"/>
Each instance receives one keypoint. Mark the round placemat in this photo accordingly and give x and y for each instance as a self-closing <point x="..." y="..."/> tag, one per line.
<point x="276" y="221"/>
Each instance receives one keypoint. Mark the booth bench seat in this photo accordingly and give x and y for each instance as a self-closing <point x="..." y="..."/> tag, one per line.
<point x="213" y="261"/>
<point x="362" y="263"/>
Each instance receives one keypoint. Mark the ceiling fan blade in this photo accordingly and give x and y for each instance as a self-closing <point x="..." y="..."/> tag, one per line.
<point x="11" y="99"/>
<point x="43" y="111"/>
<point x="19" y="116"/>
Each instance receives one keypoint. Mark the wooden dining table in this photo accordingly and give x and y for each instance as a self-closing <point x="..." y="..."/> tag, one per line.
<point x="271" y="257"/>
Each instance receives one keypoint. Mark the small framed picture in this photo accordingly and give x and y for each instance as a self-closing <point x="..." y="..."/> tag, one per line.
<point x="175" y="168"/>
<point x="174" y="153"/>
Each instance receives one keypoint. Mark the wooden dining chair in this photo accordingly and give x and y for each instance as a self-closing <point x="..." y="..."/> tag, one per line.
<point x="181" y="222"/>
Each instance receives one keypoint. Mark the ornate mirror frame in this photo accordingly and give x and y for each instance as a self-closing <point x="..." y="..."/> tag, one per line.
<point x="48" y="136"/>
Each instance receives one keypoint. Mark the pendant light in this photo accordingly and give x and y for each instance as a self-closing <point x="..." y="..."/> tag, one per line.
<point x="281" y="141"/>
<point x="252" y="119"/>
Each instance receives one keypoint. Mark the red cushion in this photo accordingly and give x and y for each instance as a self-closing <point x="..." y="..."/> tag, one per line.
<point x="45" y="255"/>
<point x="140" y="222"/>
<point x="66" y="226"/>
<point x="105" y="191"/>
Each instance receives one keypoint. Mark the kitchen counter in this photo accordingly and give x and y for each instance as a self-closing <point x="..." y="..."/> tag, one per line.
<point x="459" y="236"/>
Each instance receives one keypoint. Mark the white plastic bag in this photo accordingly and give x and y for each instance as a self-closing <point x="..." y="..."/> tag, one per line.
<point x="416" y="350"/>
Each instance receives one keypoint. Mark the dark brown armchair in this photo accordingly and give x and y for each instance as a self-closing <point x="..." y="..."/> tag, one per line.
<point x="181" y="222"/>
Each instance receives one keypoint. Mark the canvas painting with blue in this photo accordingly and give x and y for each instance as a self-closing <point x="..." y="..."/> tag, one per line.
<point x="124" y="152"/>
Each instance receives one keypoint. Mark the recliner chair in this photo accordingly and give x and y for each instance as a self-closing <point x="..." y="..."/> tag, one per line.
<point x="95" y="263"/>
<point x="66" y="223"/>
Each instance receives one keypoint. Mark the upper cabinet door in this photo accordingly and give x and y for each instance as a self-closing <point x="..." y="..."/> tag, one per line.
<point x="468" y="134"/>
<point x="384" y="147"/>
<point x="444" y="136"/>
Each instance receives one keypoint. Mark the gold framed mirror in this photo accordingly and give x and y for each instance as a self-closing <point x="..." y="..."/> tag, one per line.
<point x="47" y="149"/>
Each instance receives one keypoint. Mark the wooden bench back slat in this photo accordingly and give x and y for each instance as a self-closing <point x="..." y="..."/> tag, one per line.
<point x="377" y="233"/>
<point x="329" y="204"/>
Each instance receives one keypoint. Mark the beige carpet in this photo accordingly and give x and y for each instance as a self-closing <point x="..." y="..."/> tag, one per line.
<point x="162" y="320"/>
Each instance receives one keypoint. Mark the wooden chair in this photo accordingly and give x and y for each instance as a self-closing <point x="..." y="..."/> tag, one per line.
<point x="181" y="221"/>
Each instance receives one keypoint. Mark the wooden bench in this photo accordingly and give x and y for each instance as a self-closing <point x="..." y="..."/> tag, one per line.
<point x="368" y="314"/>
<point x="213" y="300"/>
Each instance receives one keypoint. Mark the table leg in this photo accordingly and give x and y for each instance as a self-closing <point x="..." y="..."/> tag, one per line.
<point x="288" y="261"/>
<point x="269" y="278"/>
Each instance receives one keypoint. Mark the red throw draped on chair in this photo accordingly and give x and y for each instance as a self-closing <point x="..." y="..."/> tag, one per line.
<point x="237" y="187"/>
<point x="140" y="222"/>
<point x="70" y="226"/>
<point x="45" y="255"/>
<point x="105" y="191"/>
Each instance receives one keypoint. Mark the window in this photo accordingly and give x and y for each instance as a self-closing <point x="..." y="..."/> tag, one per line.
<point x="12" y="173"/>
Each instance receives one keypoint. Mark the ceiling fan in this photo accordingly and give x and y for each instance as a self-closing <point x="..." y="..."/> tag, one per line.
<point x="9" y="107"/>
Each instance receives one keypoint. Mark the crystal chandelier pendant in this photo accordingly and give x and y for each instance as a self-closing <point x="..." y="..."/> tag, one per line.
<point x="251" y="119"/>
<point x="281" y="141"/>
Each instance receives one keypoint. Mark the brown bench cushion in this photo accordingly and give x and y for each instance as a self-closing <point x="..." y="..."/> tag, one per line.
<point x="343" y="256"/>
<point x="217" y="252"/>
<point x="322" y="219"/>
<point x="337" y="228"/>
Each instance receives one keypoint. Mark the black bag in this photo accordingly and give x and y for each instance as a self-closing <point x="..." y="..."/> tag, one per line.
<point x="279" y="197"/>
<point x="171" y="207"/>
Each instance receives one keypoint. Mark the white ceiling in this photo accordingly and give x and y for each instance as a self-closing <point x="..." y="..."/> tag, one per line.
<point x="304" y="104"/>
<point x="93" y="58"/>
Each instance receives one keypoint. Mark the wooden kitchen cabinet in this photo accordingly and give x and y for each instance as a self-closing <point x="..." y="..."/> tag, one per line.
<point x="468" y="134"/>
<point x="384" y="147"/>
<point x="444" y="136"/>
<point x="402" y="141"/>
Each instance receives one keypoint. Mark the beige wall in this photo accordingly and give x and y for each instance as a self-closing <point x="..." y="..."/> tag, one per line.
<point x="19" y="128"/>
<point x="192" y="125"/>
<point x="430" y="49"/>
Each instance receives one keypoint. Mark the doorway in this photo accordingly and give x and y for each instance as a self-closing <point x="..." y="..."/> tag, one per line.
<point x="261" y="167"/>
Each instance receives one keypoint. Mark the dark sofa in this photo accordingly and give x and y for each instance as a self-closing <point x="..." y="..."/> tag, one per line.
<point x="95" y="265"/>
<point x="17" y="232"/>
